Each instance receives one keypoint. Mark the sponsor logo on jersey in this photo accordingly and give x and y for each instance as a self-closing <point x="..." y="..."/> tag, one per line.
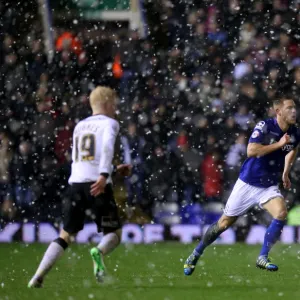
<point x="260" y="125"/>
<point x="255" y="134"/>
<point x="287" y="147"/>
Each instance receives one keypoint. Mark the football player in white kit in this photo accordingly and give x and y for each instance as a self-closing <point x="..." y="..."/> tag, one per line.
<point x="90" y="185"/>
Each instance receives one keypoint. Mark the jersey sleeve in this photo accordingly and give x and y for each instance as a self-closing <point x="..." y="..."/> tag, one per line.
<point x="258" y="133"/>
<point x="107" y="147"/>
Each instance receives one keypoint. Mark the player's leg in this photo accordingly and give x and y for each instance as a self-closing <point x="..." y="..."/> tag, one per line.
<point x="108" y="222"/>
<point x="74" y="214"/>
<point x="108" y="243"/>
<point x="212" y="233"/>
<point x="277" y="208"/>
<point x="239" y="201"/>
<point x="53" y="253"/>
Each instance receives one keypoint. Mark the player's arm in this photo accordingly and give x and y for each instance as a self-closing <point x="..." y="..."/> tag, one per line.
<point x="255" y="149"/>
<point x="108" y="147"/>
<point x="107" y="153"/>
<point x="124" y="169"/>
<point x="289" y="161"/>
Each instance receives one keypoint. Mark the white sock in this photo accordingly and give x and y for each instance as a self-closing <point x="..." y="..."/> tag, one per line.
<point x="108" y="243"/>
<point x="51" y="256"/>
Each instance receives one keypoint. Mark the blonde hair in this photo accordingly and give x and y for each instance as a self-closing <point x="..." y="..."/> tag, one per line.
<point x="101" y="95"/>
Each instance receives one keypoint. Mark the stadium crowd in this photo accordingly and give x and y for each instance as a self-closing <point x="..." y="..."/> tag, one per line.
<point x="190" y="94"/>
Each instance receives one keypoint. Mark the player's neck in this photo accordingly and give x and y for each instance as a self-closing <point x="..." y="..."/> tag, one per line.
<point x="102" y="112"/>
<point x="283" y="125"/>
<point x="99" y="112"/>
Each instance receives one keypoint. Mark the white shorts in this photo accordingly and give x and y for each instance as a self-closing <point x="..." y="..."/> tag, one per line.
<point x="244" y="196"/>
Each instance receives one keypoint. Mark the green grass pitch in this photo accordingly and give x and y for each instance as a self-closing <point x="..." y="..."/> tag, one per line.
<point x="152" y="272"/>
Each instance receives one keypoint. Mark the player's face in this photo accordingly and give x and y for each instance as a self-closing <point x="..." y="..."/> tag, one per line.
<point x="288" y="111"/>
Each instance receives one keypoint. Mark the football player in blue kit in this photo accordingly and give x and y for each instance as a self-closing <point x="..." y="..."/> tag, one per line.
<point x="271" y="151"/>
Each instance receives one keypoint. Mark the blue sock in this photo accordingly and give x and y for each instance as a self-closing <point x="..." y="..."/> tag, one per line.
<point x="199" y="249"/>
<point x="212" y="233"/>
<point x="272" y="235"/>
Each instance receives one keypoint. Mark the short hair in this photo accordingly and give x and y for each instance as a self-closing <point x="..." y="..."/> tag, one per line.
<point x="280" y="98"/>
<point x="101" y="95"/>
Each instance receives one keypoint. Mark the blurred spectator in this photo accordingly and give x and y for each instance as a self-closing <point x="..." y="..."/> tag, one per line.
<point x="42" y="129"/>
<point x="258" y="13"/>
<point x="212" y="176"/>
<point x="37" y="65"/>
<point x="251" y="98"/>
<point x="48" y="188"/>
<point x="243" y="68"/>
<point x="296" y="83"/>
<point x="63" y="141"/>
<point x="247" y="34"/>
<point x="5" y="161"/>
<point x="23" y="172"/>
<point x="133" y="151"/>
<point x="233" y="18"/>
<point x="234" y="158"/>
<point x="68" y="41"/>
<point x="7" y="210"/>
<point x="161" y="181"/>
<point x="217" y="35"/>
<point x="275" y="27"/>
<point x="243" y="118"/>
<point x="188" y="162"/>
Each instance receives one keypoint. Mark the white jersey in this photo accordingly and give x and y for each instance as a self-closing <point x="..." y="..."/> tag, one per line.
<point x="93" y="148"/>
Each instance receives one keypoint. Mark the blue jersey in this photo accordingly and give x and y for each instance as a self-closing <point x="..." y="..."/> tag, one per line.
<point x="266" y="170"/>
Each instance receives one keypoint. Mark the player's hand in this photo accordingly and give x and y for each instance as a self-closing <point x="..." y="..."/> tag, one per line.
<point x="286" y="181"/>
<point x="99" y="186"/>
<point x="124" y="170"/>
<point x="284" y="140"/>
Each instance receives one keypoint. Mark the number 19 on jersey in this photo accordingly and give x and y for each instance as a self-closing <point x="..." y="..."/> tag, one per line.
<point x="85" y="147"/>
